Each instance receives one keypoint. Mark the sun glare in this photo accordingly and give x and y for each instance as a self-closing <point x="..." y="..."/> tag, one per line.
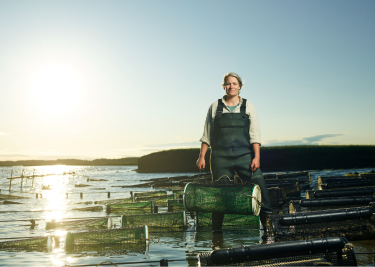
<point x="56" y="88"/>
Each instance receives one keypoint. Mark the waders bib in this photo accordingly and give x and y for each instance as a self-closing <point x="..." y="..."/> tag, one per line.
<point x="231" y="153"/>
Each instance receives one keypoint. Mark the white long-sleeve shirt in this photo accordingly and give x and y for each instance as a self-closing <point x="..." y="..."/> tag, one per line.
<point x="250" y="110"/>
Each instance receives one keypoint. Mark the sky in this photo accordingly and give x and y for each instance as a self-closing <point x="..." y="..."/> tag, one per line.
<point x="113" y="79"/>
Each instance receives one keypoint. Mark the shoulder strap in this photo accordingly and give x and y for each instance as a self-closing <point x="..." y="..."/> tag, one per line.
<point x="219" y="110"/>
<point x="243" y="108"/>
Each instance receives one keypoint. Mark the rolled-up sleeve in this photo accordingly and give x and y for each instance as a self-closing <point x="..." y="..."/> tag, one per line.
<point x="206" y="138"/>
<point x="254" y="124"/>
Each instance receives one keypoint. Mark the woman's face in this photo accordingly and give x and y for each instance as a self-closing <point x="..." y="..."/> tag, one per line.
<point x="232" y="86"/>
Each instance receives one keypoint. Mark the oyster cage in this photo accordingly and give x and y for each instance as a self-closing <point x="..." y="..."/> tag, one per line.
<point x="352" y="223"/>
<point x="156" y="220"/>
<point x="222" y="198"/>
<point x="332" y="251"/>
<point x="106" y="237"/>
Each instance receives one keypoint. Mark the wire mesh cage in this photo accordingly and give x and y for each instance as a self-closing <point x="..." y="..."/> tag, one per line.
<point x="289" y="189"/>
<point x="99" y="238"/>
<point x="114" y="201"/>
<point x="203" y="219"/>
<point x="222" y="198"/>
<point x="156" y="220"/>
<point x="276" y="196"/>
<point x="90" y="223"/>
<point x="149" y="194"/>
<point x="352" y="223"/>
<point x="158" y="200"/>
<point x="333" y="251"/>
<point x="40" y="244"/>
<point x="175" y="205"/>
<point x="359" y="191"/>
<point x="137" y="208"/>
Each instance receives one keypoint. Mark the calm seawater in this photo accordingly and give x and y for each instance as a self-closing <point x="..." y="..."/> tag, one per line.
<point x="181" y="249"/>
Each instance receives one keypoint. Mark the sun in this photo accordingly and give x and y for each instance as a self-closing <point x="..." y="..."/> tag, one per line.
<point x="56" y="88"/>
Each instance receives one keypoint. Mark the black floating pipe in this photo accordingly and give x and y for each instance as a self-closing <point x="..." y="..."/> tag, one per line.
<point x="349" y="184"/>
<point x="344" y="192"/>
<point x="331" y="216"/>
<point x="324" y="202"/>
<point x="278" y="250"/>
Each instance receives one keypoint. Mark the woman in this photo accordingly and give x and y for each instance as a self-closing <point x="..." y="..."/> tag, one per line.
<point x="232" y="131"/>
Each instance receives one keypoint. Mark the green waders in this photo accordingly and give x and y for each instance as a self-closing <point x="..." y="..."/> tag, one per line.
<point x="231" y="153"/>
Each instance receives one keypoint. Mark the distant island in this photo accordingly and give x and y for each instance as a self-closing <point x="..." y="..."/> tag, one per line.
<point x="95" y="162"/>
<point x="273" y="159"/>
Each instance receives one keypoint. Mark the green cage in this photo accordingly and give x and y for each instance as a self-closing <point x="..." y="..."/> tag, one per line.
<point x="175" y="205"/>
<point x="203" y="219"/>
<point x="157" y="220"/>
<point x="96" y="223"/>
<point x="134" y="208"/>
<point x="107" y="237"/>
<point x="158" y="200"/>
<point x="40" y="244"/>
<point x="222" y="198"/>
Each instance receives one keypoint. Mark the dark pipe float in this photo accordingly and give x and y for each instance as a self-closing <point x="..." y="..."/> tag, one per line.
<point x="345" y="201"/>
<point x="326" y="251"/>
<point x="361" y="191"/>
<point x="353" y="223"/>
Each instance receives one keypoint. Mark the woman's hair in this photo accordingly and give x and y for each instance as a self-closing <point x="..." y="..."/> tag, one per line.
<point x="233" y="74"/>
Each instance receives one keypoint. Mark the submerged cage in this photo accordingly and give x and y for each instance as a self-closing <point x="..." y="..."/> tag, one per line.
<point x="335" y="203"/>
<point x="97" y="223"/>
<point x="31" y="244"/>
<point x="352" y="223"/>
<point x="222" y="198"/>
<point x="289" y="189"/>
<point x="157" y="220"/>
<point x="360" y="191"/>
<point x="333" y="251"/>
<point x="175" y="205"/>
<point x="203" y="219"/>
<point x="121" y="236"/>
<point x="158" y="200"/>
<point x="276" y="196"/>
<point x="149" y="194"/>
<point x="138" y="207"/>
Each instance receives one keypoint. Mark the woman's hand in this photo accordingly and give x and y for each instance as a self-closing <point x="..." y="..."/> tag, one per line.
<point x="201" y="163"/>
<point x="255" y="164"/>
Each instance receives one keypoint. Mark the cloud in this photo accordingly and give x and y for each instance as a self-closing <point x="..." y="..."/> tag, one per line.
<point x="312" y="140"/>
<point x="2" y="133"/>
<point x="318" y="138"/>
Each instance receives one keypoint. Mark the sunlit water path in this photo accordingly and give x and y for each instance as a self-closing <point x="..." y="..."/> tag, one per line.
<point x="54" y="204"/>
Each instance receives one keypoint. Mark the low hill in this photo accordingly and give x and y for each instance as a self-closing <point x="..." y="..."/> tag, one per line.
<point x="95" y="162"/>
<point x="277" y="158"/>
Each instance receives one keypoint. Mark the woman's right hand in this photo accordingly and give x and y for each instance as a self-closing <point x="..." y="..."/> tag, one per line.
<point x="201" y="163"/>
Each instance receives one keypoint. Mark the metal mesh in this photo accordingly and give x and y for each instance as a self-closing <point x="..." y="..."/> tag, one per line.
<point x="150" y="193"/>
<point x="342" y="255"/>
<point x="223" y="198"/>
<point x="319" y="224"/>
<point x="139" y="207"/>
<point x="321" y="259"/>
<point x="157" y="220"/>
<point x="236" y="220"/>
<point x="114" y="201"/>
<point x="175" y="205"/>
<point x="102" y="237"/>
<point x="158" y="200"/>
<point x="78" y="224"/>
<point x="31" y="244"/>
<point x="335" y="203"/>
